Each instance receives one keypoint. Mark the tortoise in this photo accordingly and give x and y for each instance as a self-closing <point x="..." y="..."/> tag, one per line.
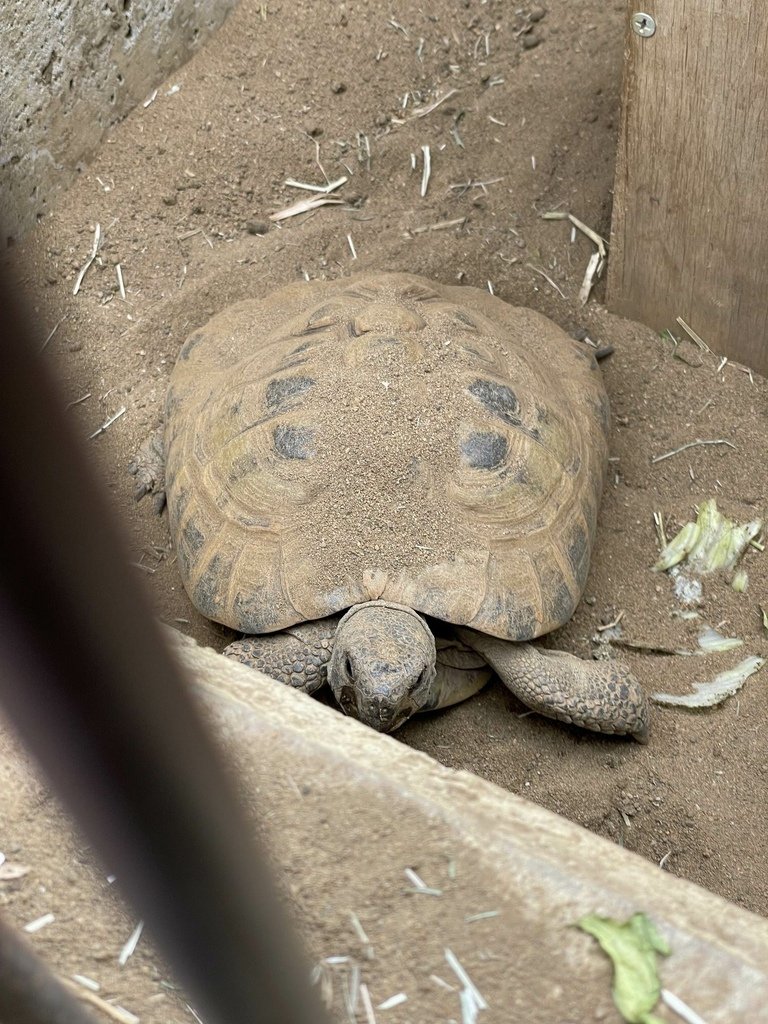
<point x="391" y="486"/>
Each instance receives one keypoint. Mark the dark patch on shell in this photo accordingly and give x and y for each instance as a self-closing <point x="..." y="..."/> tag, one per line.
<point x="560" y="603"/>
<point x="484" y="450"/>
<point x="254" y="610"/>
<point x="465" y="320"/>
<point x="578" y="554"/>
<point x="242" y="466"/>
<point x="294" y="442"/>
<point x="557" y="596"/>
<point x="522" y="623"/>
<point x="282" y="390"/>
<point x="190" y="343"/>
<point x="603" y="410"/>
<point x="498" y="399"/>
<point x="192" y="539"/>
<point x="206" y="596"/>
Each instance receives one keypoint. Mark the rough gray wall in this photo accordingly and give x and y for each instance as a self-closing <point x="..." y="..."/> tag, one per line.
<point x="68" y="70"/>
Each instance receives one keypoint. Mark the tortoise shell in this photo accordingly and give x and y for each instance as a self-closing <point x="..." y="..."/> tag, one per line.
<point x="385" y="437"/>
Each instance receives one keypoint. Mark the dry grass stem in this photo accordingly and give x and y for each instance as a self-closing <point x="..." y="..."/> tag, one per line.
<point x="118" y="1013"/>
<point x="304" y="206"/>
<point x="611" y="625"/>
<point x="393" y="1001"/>
<point x="465" y="186"/>
<point x="108" y="423"/>
<point x="52" y="332"/>
<point x="120" y="281"/>
<point x="351" y="245"/>
<point x="442" y="225"/>
<point x="484" y="916"/>
<point x="130" y="947"/>
<point x="597" y="260"/>
<point x="691" y="444"/>
<point x="600" y="242"/>
<point x="692" y="334"/>
<point x="592" y="273"/>
<point x="661" y="533"/>
<point x="323" y="189"/>
<point x="680" y="1008"/>
<point x="365" y="997"/>
<point x="423" y="111"/>
<point x="398" y="27"/>
<point x="89" y="261"/>
<point x="89" y="983"/>
<point x="361" y="934"/>
<point x="427" y="170"/>
<point x="546" y="277"/>
<point x="364" y="150"/>
<point x="453" y="962"/>
<point x="38" y="923"/>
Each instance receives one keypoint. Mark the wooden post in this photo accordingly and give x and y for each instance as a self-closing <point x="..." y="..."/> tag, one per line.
<point x="690" y="217"/>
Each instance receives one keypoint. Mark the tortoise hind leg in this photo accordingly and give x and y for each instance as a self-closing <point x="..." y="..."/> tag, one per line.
<point x="297" y="656"/>
<point x="602" y="696"/>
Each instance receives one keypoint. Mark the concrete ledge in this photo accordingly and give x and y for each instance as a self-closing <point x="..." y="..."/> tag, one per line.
<point x="541" y="871"/>
<point x="342" y="811"/>
<point x="69" y="71"/>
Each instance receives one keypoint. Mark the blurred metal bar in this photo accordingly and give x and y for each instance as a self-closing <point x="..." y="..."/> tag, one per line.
<point x="29" y="993"/>
<point x="97" y="698"/>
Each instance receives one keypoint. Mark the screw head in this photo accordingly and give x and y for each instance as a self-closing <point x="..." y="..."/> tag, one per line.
<point x="643" y="24"/>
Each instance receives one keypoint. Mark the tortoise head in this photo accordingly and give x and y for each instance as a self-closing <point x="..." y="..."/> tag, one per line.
<point x="382" y="669"/>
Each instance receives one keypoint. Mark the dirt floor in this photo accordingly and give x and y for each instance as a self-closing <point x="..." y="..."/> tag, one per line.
<point x="182" y="191"/>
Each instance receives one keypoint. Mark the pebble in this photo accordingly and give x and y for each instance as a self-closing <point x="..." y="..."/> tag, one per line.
<point x="338" y="87"/>
<point x="530" y="40"/>
<point x="257" y="227"/>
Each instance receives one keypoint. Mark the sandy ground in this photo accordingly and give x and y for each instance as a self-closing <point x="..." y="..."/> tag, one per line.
<point x="183" y="190"/>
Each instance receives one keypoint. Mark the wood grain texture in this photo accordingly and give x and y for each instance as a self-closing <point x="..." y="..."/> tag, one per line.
<point x="690" y="220"/>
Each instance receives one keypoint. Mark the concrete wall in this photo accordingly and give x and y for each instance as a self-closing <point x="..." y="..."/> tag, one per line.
<point x="68" y="70"/>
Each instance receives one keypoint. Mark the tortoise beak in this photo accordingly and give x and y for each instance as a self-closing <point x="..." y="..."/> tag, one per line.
<point x="379" y="714"/>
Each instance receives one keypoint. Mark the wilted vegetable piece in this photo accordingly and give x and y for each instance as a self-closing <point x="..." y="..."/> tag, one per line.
<point x="712" y="542"/>
<point x="705" y="695"/>
<point x="712" y="642"/>
<point x="740" y="581"/>
<point x="633" y="948"/>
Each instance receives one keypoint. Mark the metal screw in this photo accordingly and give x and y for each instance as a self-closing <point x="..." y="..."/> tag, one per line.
<point x="643" y="25"/>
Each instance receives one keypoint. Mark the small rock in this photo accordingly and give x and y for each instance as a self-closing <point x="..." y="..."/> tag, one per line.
<point x="257" y="227"/>
<point x="536" y="13"/>
<point x="314" y="131"/>
<point x="530" y="40"/>
<point x="338" y="87"/>
<point x="170" y="200"/>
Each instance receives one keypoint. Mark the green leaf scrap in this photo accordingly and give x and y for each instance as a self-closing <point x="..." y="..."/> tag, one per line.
<point x="713" y="542"/>
<point x="633" y="948"/>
